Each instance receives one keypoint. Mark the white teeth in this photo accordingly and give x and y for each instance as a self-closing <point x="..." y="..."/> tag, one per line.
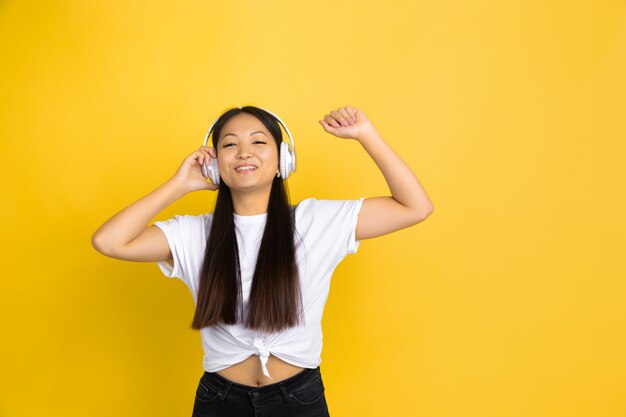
<point x="246" y="168"/>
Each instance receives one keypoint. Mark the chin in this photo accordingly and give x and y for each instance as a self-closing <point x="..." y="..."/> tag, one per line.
<point x="244" y="185"/>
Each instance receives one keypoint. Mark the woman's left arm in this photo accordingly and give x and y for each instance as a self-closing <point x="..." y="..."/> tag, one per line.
<point x="408" y="203"/>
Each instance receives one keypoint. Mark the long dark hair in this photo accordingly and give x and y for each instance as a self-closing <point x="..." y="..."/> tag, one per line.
<point x="275" y="299"/>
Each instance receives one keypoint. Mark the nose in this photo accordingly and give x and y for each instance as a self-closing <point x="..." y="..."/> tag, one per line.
<point x="243" y="152"/>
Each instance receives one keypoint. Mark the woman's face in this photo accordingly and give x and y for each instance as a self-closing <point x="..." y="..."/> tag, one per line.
<point x="244" y="140"/>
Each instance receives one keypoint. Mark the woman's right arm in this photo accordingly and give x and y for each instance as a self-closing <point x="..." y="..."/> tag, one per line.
<point x="125" y="235"/>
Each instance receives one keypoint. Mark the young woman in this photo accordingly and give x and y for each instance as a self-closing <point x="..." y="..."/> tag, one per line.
<point x="258" y="268"/>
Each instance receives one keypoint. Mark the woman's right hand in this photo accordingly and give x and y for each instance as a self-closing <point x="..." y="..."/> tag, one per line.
<point x="190" y="172"/>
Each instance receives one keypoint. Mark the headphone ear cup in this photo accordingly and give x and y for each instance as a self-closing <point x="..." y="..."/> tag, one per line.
<point x="286" y="160"/>
<point x="205" y="170"/>
<point x="213" y="172"/>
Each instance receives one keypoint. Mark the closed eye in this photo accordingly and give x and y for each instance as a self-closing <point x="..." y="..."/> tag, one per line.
<point x="258" y="141"/>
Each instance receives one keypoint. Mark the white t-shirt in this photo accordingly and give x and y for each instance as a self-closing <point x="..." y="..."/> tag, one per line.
<point x="326" y="234"/>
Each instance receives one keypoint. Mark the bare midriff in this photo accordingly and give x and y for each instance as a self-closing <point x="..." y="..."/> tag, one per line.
<point x="250" y="373"/>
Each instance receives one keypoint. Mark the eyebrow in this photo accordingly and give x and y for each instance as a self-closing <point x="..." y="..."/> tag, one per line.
<point x="251" y="133"/>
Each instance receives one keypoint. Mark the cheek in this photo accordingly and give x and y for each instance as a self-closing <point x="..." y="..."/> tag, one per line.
<point x="222" y="162"/>
<point x="270" y="156"/>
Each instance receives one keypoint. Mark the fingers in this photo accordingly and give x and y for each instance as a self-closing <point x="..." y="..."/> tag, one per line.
<point x="352" y="110"/>
<point x="330" y="121"/>
<point x="210" y="150"/>
<point x="204" y="154"/>
<point x="347" y="116"/>
<point x="343" y="116"/>
<point x="327" y="126"/>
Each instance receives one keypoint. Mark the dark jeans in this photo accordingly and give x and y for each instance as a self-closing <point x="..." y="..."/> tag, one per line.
<point x="301" y="395"/>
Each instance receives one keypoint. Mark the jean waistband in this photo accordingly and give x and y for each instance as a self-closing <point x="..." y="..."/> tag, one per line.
<point x="283" y="387"/>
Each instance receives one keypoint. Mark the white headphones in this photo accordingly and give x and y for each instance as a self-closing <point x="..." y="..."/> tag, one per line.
<point x="287" y="156"/>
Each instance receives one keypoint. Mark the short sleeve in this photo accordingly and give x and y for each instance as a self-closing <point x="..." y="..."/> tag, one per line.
<point x="339" y="218"/>
<point x="173" y="232"/>
<point x="184" y="237"/>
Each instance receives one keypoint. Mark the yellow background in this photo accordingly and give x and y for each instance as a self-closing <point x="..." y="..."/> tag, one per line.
<point x="509" y="301"/>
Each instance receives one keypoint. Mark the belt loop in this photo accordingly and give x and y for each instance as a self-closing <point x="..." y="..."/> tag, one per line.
<point x="286" y="393"/>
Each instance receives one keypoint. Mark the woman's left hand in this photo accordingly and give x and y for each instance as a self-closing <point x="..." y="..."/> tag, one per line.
<point x="347" y="122"/>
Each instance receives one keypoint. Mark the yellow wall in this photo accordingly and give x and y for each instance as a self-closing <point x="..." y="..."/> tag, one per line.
<point x="507" y="302"/>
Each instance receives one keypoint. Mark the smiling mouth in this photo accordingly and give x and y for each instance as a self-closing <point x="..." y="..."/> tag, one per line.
<point x="246" y="170"/>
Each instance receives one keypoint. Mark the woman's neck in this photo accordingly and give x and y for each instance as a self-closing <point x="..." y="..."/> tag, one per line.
<point x="250" y="204"/>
